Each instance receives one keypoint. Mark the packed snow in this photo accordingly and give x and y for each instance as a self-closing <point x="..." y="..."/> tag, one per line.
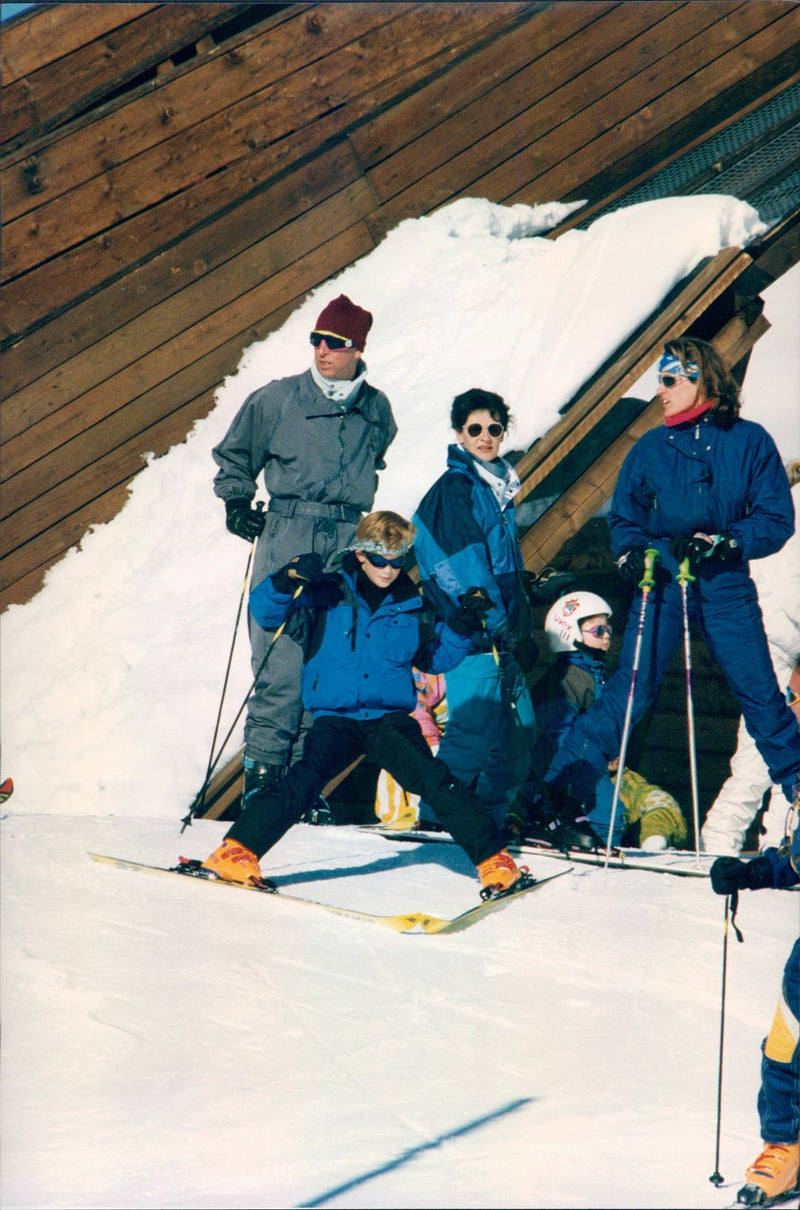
<point x="174" y="1044"/>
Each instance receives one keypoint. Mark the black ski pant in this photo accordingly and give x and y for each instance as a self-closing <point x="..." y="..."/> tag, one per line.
<point x="394" y="742"/>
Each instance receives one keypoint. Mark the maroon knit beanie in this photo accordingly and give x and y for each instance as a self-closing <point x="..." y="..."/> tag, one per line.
<point x="343" y="318"/>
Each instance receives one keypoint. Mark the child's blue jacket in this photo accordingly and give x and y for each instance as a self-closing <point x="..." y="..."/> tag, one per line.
<point x="358" y="664"/>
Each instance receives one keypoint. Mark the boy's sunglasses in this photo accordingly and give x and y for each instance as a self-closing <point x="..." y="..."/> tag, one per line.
<point x="379" y="561"/>
<point x="494" y="430"/>
<point x="598" y="631"/>
<point x="333" y="342"/>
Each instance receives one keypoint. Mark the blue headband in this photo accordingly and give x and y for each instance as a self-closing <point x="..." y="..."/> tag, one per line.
<point x="669" y="364"/>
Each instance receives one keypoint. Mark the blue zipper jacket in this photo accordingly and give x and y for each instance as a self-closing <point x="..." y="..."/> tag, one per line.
<point x="696" y="477"/>
<point x="465" y="539"/>
<point x="358" y="663"/>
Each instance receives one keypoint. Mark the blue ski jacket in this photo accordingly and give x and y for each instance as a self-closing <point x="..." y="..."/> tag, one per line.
<point x="465" y="538"/>
<point x="358" y="663"/>
<point x="697" y="477"/>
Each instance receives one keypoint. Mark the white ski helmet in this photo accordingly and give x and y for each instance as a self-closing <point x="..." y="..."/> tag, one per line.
<point x="562" y="624"/>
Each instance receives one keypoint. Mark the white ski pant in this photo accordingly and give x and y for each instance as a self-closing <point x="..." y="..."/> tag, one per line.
<point x="741" y="796"/>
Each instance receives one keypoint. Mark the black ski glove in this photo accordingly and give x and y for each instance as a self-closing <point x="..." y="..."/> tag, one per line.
<point x="721" y="548"/>
<point x="306" y="569"/>
<point x="473" y="607"/>
<point x="729" y="874"/>
<point x="244" y="521"/>
<point x="630" y="565"/>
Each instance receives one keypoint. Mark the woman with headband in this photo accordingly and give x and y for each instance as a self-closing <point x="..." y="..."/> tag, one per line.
<point x="710" y="488"/>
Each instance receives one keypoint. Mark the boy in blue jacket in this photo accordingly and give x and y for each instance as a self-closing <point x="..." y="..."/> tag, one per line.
<point x="363" y="630"/>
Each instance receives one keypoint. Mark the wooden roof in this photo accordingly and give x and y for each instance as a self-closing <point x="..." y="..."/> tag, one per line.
<point x="177" y="177"/>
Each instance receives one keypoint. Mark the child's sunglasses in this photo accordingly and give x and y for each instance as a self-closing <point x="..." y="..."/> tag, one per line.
<point x="379" y="561"/>
<point x="598" y="631"/>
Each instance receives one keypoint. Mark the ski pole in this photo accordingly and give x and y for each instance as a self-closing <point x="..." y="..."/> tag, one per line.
<point x="646" y="584"/>
<point x="199" y="799"/>
<point x="197" y="806"/>
<point x="730" y="903"/>
<point x="685" y="578"/>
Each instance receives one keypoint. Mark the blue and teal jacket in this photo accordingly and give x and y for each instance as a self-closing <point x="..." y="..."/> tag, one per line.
<point x="358" y="663"/>
<point x="466" y="538"/>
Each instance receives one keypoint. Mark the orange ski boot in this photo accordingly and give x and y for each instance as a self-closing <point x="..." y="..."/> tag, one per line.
<point x="773" y="1175"/>
<point x="498" y="873"/>
<point x="232" y="862"/>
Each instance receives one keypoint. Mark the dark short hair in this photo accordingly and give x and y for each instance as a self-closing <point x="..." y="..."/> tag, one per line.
<point x="716" y="380"/>
<point x="476" y="400"/>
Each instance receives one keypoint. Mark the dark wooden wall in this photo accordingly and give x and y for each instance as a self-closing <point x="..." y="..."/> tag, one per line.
<point x="176" y="177"/>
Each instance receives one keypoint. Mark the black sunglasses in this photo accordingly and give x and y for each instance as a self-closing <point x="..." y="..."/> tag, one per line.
<point x="671" y="380"/>
<point x="379" y="561"/>
<point x="494" y="430"/>
<point x="333" y="342"/>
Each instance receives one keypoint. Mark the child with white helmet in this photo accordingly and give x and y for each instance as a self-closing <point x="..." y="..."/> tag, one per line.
<point x="579" y="632"/>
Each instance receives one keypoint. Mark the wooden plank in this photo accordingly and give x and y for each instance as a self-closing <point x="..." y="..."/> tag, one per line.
<point x="557" y="81"/>
<point x="206" y="314"/>
<point x="219" y="109"/>
<point x="235" y="216"/>
<point x="56" y="91"/>
<point x="620" y="126"/>
<point x="161" y="277"/>
<point x="517" y="158"/>
<point x="30" y="299"/>
<point x="53" y="31"/>
<point x="428" y="106"/>
<point x="121" y="188"/>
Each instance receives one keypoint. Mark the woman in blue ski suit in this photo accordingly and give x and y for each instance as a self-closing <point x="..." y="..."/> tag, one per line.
<point x="466" y="535"/>
<point x="362" y="631"/>
<point x="709" y="487"/>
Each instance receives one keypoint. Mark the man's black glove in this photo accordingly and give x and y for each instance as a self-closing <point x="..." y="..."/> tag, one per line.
<point x="720" y="548"/>
<point x="473" y="607"/>
<point x="305" y="569"/>
<point x="630" y="565"/>
<point x="729" y="874"/>
<point x="244" y="521"/>
<point x="548" y="586"/>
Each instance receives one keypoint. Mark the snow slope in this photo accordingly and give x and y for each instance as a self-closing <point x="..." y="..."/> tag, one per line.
<point x="180" y="1045"/>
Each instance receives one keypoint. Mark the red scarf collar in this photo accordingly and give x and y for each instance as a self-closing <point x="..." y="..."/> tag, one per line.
<point x="687" y="417"/>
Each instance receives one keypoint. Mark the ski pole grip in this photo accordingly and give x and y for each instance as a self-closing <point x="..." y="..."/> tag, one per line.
<point x="684" y="574"/>
<point x="648" y="579"/>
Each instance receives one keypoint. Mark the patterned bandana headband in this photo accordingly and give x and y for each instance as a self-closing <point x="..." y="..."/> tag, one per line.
<point x="669" y="364"/>
<point x="370" y="547"/>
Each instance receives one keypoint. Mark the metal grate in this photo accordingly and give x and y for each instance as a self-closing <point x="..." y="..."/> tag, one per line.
<point x="755" y="159"/>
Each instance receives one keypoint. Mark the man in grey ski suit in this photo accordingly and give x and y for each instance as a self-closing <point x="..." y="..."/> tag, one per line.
<point x="320" y="438"/>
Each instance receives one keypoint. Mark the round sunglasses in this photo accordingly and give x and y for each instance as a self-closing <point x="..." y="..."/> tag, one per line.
<point x="494" y="430"/>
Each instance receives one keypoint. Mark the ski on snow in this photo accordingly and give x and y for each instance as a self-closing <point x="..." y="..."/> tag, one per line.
<point x="679" y="862"/>
<point x="408" y="922"/>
